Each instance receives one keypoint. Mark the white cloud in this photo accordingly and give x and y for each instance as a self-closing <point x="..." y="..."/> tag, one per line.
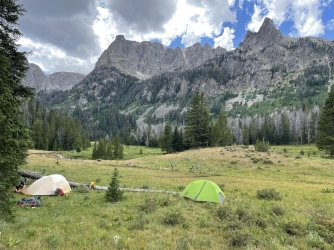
<point x="226" y="39"/>
<point x="305" y="14"/>
<point x="51" y="59"/>
<point x="191" y="21"/>
<point x="330" y="25"/>
<point x="104" y="27"/>
<point x="257" y="19"/>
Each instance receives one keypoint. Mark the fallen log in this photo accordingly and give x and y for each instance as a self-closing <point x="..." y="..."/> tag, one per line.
<point x="36" y="176"/>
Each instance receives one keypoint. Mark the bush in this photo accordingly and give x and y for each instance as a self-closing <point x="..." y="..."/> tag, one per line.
<point x="148" y="206"/>
<point x="239" y="239"/>
<point x="164" y="202"/>
<point x="262" y="146"/>
<point x="315" y="240"/>
<point x="242" y="214"/>
<point x="139" y="223"/>
<point x="173" y="219"/>
<point x="224" y="212"/>
<point x="278" y="210"/>
<point x="322" y="223"/>
<point x="268" y="194"/>
<point x="261" y="222"/>
<point x="113" y="193"/>
<point x="293" y="228"/>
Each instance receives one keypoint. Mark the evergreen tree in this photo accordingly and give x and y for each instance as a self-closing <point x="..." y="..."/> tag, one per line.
<point x="94" y="154"/>
<point x="285" y="130"/>
<point x="325" y="140"/>
<point x="177" y="140"/>
<point x="114" y="193"/>
<point x="118" y="148"/>
<point x="101" y="149"/>
<point x="109" y="151"/>
<point x="197" y="130"/>
<point x="14" y="136"/>
<point x="166" y="140"/>
<point x="221" y="134"/>
<point x="245" y="135"/>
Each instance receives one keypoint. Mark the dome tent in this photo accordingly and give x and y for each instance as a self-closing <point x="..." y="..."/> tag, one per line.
<point x="203" y="190"/>
<point x="48" y="185"/>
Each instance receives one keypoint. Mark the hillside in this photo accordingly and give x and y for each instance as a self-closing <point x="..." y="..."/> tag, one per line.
<point x="267" y="78"/>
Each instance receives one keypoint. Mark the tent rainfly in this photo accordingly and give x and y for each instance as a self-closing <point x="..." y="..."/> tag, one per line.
<point x="47" y="185"/>
<point x="203" y="190"/>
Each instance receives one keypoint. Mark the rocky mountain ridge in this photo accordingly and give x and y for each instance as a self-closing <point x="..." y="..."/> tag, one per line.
<point x="267" y="74"/>
<point x="38" y="80"/>
<point x="147" y="59"/>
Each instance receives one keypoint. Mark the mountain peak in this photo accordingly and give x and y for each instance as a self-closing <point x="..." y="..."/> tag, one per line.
<point x="119" y="38"/>
<point x="267" y="34"/>
<point x="268" y="28"/>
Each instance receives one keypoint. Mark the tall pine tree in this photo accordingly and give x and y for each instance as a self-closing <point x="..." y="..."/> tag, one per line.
<point x="197" y="130"/>
<point x="14" y="136"/>
<point x="221" y="134"/>
<point x="325" y="140"/>
<point x="166" y="140"/>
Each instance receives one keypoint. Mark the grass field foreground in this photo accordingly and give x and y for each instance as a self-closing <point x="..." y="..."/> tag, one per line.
<point x="282" y="199"/>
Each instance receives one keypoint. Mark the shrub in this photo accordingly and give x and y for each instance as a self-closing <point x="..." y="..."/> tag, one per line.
<point x="293" y="228"/>
<point x="224" y="212"/>
<point x="173" y="218"/>
<point x="139" y="223"/>
<point x="268" y="162"/>
<point x="261" y="222"/>
<point x="328" y="190"/>
<point x="239" y="239"/>
<point x="278" y="210"/>
<point x="113" y="193"/>
<point x="242" y="214"/>
<point x="268" y="194"/>
<point x="148" y="206"/>
<point x="315" y="240"/>
<point x="164" y="202"/>
<point x="322" y="223"/>
<point x="262" y="146"/>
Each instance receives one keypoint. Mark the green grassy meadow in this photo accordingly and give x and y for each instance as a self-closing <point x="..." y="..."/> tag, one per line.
<point x="300" y="216"/>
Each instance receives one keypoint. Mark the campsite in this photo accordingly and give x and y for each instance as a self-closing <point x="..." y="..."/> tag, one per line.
<point x="298" y="215"/>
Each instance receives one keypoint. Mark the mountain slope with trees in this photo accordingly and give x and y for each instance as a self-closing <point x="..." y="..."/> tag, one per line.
<point x="271" y="87"/>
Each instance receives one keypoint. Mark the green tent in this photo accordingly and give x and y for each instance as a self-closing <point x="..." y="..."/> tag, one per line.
<point x="202" y="190"/>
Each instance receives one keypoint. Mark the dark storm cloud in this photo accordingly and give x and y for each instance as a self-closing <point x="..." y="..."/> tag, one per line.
<point x="66" y="24"/>
<point x="142" y="15"/>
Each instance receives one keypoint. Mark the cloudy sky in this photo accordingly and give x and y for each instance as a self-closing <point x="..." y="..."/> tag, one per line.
<point x="69" y="35"/>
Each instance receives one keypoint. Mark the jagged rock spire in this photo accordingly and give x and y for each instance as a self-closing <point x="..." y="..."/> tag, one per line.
<point x="267" y="34"/>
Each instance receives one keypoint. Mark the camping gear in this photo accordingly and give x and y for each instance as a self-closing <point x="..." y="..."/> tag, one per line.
<point x="47" y="185"/>
<point x="203" y="190"/>
<point x="30" y="202"/>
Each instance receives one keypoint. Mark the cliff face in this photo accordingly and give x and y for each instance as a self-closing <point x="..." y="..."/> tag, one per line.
<point x="36" y="79"/>
<point x="146" y="59"/>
